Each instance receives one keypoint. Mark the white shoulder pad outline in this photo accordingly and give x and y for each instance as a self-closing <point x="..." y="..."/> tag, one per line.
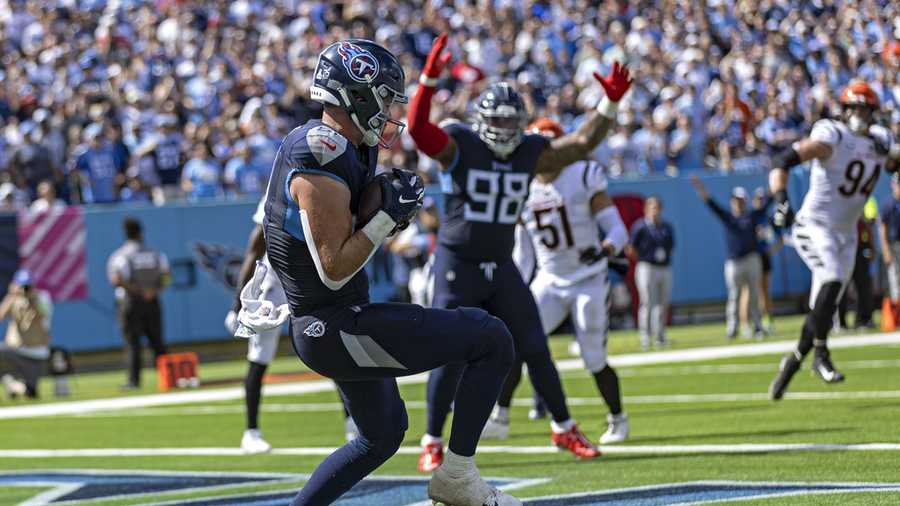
<point x="828" y="132"/>
<point x="884" y="140"/>
<point x="325" y="144"/>
<point x="333" y="285"/>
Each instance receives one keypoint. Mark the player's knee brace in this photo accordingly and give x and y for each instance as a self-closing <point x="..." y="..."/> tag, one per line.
<point x="824" y="308"/>
<point x="819" y="320"/>
<point x="255" y="373"/>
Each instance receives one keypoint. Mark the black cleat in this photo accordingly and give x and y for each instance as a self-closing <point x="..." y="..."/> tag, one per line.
<point x="823" y="368"/>
<point x="787" y="369"/>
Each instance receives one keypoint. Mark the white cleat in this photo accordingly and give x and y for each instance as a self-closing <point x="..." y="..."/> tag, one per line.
<point x="14" y="387"/>
<point x="351" y="431"/>
<point x="495" y="429"/>
<point x="470" y="490"/>
<point x="253" y="442"/>
<point x="617" y="429"/>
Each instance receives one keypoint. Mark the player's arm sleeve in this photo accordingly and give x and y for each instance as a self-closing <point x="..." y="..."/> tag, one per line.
<point x="429" y="138"/>
<point x="523" y="253"/>
<point x="720" y="213"/>
<point x="314" y="155"/>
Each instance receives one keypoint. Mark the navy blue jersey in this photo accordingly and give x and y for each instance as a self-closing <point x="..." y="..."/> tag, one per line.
<point x="484" y="194"/>
<point x="312" y="148"/>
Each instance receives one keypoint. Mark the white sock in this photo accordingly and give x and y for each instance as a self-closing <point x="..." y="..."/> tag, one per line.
<point x="562" y="427"/>
<point x="429" y="439"/>
<point x="501" y="414"/>
<point x="457" y="466"/>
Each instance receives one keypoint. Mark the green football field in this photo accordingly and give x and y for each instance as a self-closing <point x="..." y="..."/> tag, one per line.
<point x="702" y="429"/>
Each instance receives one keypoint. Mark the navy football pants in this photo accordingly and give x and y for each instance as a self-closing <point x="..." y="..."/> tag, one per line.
<point x="497" y="287"/>
<point x="365" y="347"/>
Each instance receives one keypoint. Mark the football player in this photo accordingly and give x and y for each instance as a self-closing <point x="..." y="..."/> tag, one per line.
<point x="486" y="171"/>
<point x="847" y="155"/>
<point x="262" y="346"/>
<point x="561" y="245"/>
<point x="318" y="253"/>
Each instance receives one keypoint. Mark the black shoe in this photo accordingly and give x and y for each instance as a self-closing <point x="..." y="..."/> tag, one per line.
<point x="823" y="368"/>
<point x="129" y="387"/>
<point x="787" y="369"/>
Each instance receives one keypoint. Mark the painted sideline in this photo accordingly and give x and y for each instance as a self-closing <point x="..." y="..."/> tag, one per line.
<point x="415" y="450"/>
<point x="306" y="387"/>
<point x="320" y="407"/>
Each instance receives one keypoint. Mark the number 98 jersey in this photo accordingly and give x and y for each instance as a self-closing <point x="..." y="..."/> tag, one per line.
<point x="560" y="225"/>
<point x="841" y="184"/>
<point x="484" y="195"/>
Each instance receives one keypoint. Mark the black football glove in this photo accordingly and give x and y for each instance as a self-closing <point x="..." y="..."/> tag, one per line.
<point x="591" y="255"/>
<point x="402" y="194"/>
<point x="783" y="217"/>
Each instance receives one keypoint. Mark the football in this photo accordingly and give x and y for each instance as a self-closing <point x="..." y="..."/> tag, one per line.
<point x="370" y="201"/>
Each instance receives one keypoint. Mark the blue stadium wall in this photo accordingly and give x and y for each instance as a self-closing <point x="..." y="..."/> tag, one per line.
<point x="195" y="306"/>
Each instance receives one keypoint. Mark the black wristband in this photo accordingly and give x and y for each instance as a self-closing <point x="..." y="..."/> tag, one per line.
<point x="786" y="159"/>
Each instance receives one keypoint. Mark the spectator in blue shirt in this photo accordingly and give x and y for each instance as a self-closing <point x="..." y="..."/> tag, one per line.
<point x="743" y="267"/>
<point x="652" y="241"/>
<point x="245" y="177"/>
<point x="98" y="169"/>
<point x="202" y="175"/>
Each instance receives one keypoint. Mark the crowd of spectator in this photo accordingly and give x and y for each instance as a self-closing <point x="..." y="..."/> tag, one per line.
<point x="128" y="100"/>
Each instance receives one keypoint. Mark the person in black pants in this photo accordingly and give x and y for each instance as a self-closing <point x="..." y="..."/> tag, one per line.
<point x="862" y="281"/>
<point x="138" y="274"/>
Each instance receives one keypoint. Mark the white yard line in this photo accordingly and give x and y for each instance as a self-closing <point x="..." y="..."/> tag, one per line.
<point x="572" y="401"/>
<point x="306" y="387"/>
<point x="415" y="450"/>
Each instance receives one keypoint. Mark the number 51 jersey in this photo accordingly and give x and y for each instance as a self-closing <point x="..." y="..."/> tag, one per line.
<point x="484" y="195"/>
<point x="560" y="224"/>
<point x="840" y="185"/>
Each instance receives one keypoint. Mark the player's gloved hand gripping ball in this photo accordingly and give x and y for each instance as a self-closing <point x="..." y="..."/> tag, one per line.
<point x="398" y="194"/>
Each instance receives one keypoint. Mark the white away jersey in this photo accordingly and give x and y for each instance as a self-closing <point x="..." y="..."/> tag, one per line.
<point x="840" y="185"/>
<point x="559" y="222"/>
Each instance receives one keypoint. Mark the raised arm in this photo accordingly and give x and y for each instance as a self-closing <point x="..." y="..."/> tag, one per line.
<point x="578" y="145"/>
<point x="800" y="152"/>
<point x="337" y="251"/>
<point x="430" y="138"/>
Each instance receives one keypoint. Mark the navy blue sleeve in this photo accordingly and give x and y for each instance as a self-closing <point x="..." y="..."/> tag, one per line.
<point x="670" y="237"/>
<point x="720" y="213"/>
<point x="320" y="151"/>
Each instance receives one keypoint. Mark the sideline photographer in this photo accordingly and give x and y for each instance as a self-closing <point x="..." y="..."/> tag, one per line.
<point x="24" y="353"/>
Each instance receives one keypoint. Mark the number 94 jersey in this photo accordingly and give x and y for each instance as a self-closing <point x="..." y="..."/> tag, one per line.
<point x="560" y="225"/>
<point x="484" y="195"/>
<point x="841" y="184"/>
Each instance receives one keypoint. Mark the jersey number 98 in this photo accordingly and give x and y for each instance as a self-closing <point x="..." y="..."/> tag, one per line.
<point x="495" y="196"/>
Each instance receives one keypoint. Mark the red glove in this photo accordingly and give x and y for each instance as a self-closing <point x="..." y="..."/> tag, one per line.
<point x="436" y="61"/>
<point x="617" y="84"/>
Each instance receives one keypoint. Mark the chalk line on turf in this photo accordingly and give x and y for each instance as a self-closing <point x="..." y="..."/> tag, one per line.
<point x="698" y="449"/>
<point x="233" y="393"/>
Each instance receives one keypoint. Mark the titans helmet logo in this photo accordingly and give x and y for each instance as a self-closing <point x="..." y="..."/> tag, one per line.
<point x="360" y="64"/>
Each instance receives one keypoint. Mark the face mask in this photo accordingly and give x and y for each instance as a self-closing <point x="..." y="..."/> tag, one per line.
<point x="857" y="124"/>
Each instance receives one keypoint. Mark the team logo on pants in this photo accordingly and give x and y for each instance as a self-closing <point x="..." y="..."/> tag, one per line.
<point x="315" y="329"/>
